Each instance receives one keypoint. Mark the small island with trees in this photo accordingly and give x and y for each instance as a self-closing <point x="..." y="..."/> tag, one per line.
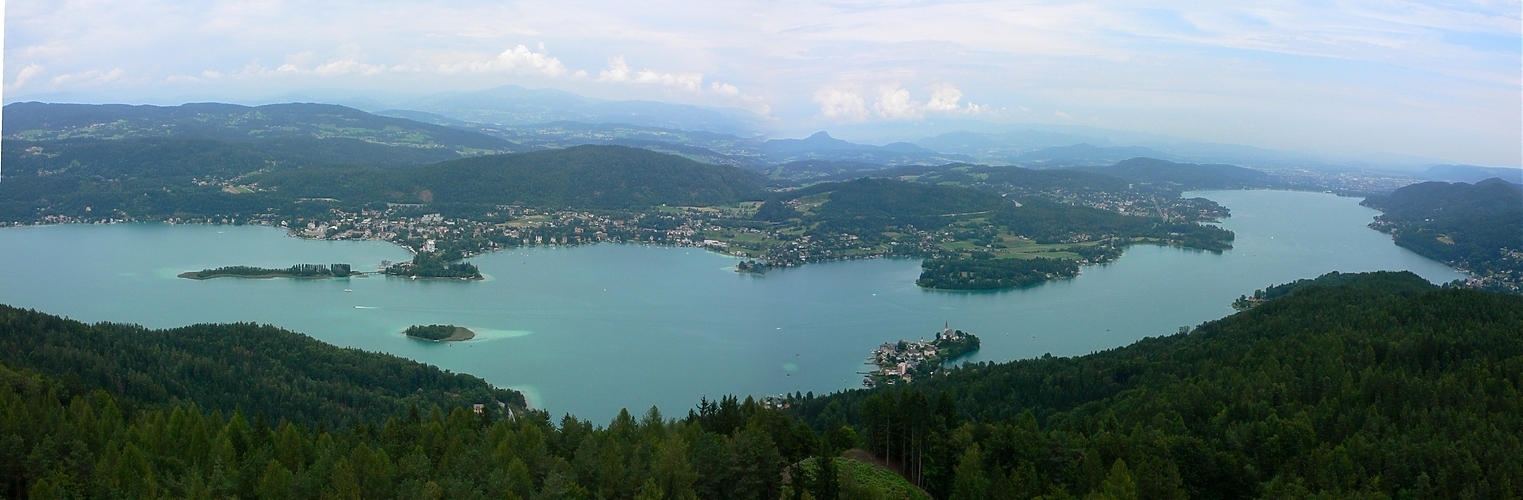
<point x="907" y="360"/>
<point x="439" y="333"/>
<point x="434" y="265"/>
<point x="984" y="272"/>
<point x="308" y="271"/>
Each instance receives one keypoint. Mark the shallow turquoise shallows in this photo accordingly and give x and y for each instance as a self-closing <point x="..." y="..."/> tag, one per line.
<point x="592" y="329"/>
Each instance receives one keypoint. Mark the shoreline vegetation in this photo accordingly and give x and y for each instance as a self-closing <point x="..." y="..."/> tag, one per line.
<point x="439" y="333"/>
<point x="955" y="214"/>
<point x="301" y="271"/>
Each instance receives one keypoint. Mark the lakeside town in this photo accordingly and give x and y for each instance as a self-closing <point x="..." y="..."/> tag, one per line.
<point x="906" y="360"/>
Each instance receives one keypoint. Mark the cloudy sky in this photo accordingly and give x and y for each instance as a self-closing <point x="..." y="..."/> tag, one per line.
<point x="1434" y="79"/>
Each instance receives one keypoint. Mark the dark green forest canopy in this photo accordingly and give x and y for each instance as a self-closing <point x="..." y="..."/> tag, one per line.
<point x="226" y="367"/>
<point x="1476" y="226"/>
<point x="1401" y="389"/>
<point x="1388" y="281"/>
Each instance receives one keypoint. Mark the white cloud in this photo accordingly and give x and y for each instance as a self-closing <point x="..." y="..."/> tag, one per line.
<point x="841" y="105"/>
<point x="619" y="72"/>
<point x="517" y="60"/>
<point x="27" y="73"/>
<point x="1431" y="78"/>
<point x="92" y="77"/>
<point x="944" y="98"/>
<point x="894" y="104"/>
<point x="724" y="89"/>
<point x="348" y="67"/>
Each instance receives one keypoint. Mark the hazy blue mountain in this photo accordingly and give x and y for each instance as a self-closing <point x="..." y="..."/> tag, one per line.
<point x="1023" y="145"/>
<point x="1004" y="144"/>
<point x="426" y="117"/>
<point x="511" y="105"/>
<point x="35" y="121"/>
<point x="1084" y="153"/>
<point x="1185" y="175"/>
<point x="821" y="146"/>
<point x="1471" y="173"/>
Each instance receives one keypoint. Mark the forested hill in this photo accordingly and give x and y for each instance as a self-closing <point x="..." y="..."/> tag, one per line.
<point x="1344" y="391"/>
<point x="589" y="177"/>
<point x="1185" y="175"/>
<point x="182" y="159"/>
<point x="37" y="121"/>
<point x="192" y="178"/>
<point x="1478" y="227"/>
<point x="253" y="368"/>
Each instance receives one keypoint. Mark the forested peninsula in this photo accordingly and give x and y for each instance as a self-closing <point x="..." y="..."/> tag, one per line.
<point x="1392" y="388"/>
<point x="1475" y="227"/>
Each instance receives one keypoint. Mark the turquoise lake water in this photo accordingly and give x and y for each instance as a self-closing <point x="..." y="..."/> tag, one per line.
<point x="589" y="330"/>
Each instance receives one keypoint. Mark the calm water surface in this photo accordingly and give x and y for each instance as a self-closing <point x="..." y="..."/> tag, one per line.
<point x="592" y="329"/>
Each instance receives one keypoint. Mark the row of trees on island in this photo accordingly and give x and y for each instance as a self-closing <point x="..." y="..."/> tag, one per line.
<point x="296" y="271"/>
<point x="982" y="272"/>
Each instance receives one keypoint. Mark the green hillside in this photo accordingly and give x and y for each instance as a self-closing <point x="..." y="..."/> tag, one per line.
<point x="1342" y="391"/>
<point x="1185" y="175"/>
<point x="258" y="369"/>
<point x="155" y="179"/>
<point x="587" y="177"/>
<point x="1477" y="227"/>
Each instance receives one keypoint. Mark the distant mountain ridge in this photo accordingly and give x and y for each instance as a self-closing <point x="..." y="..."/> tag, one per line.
<point x="512" y="105"/>
<point x="1186" y="175"/>
<point x="821" y="146"/>
<point x="40" y="121"/>
<point x="1084" y="153"/>
<point x="1472" y="173"/>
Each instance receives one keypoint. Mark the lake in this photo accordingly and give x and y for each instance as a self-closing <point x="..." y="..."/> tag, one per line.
<point x="589" y="330"/>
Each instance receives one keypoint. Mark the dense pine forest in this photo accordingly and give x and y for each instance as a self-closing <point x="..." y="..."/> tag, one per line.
<point x="1382" y="387"/>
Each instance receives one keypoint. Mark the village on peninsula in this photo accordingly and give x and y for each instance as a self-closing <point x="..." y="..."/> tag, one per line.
<point x="907" y="359"/>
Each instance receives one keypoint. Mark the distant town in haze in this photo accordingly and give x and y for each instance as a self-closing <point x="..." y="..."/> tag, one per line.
<point x="480" y="251"/>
